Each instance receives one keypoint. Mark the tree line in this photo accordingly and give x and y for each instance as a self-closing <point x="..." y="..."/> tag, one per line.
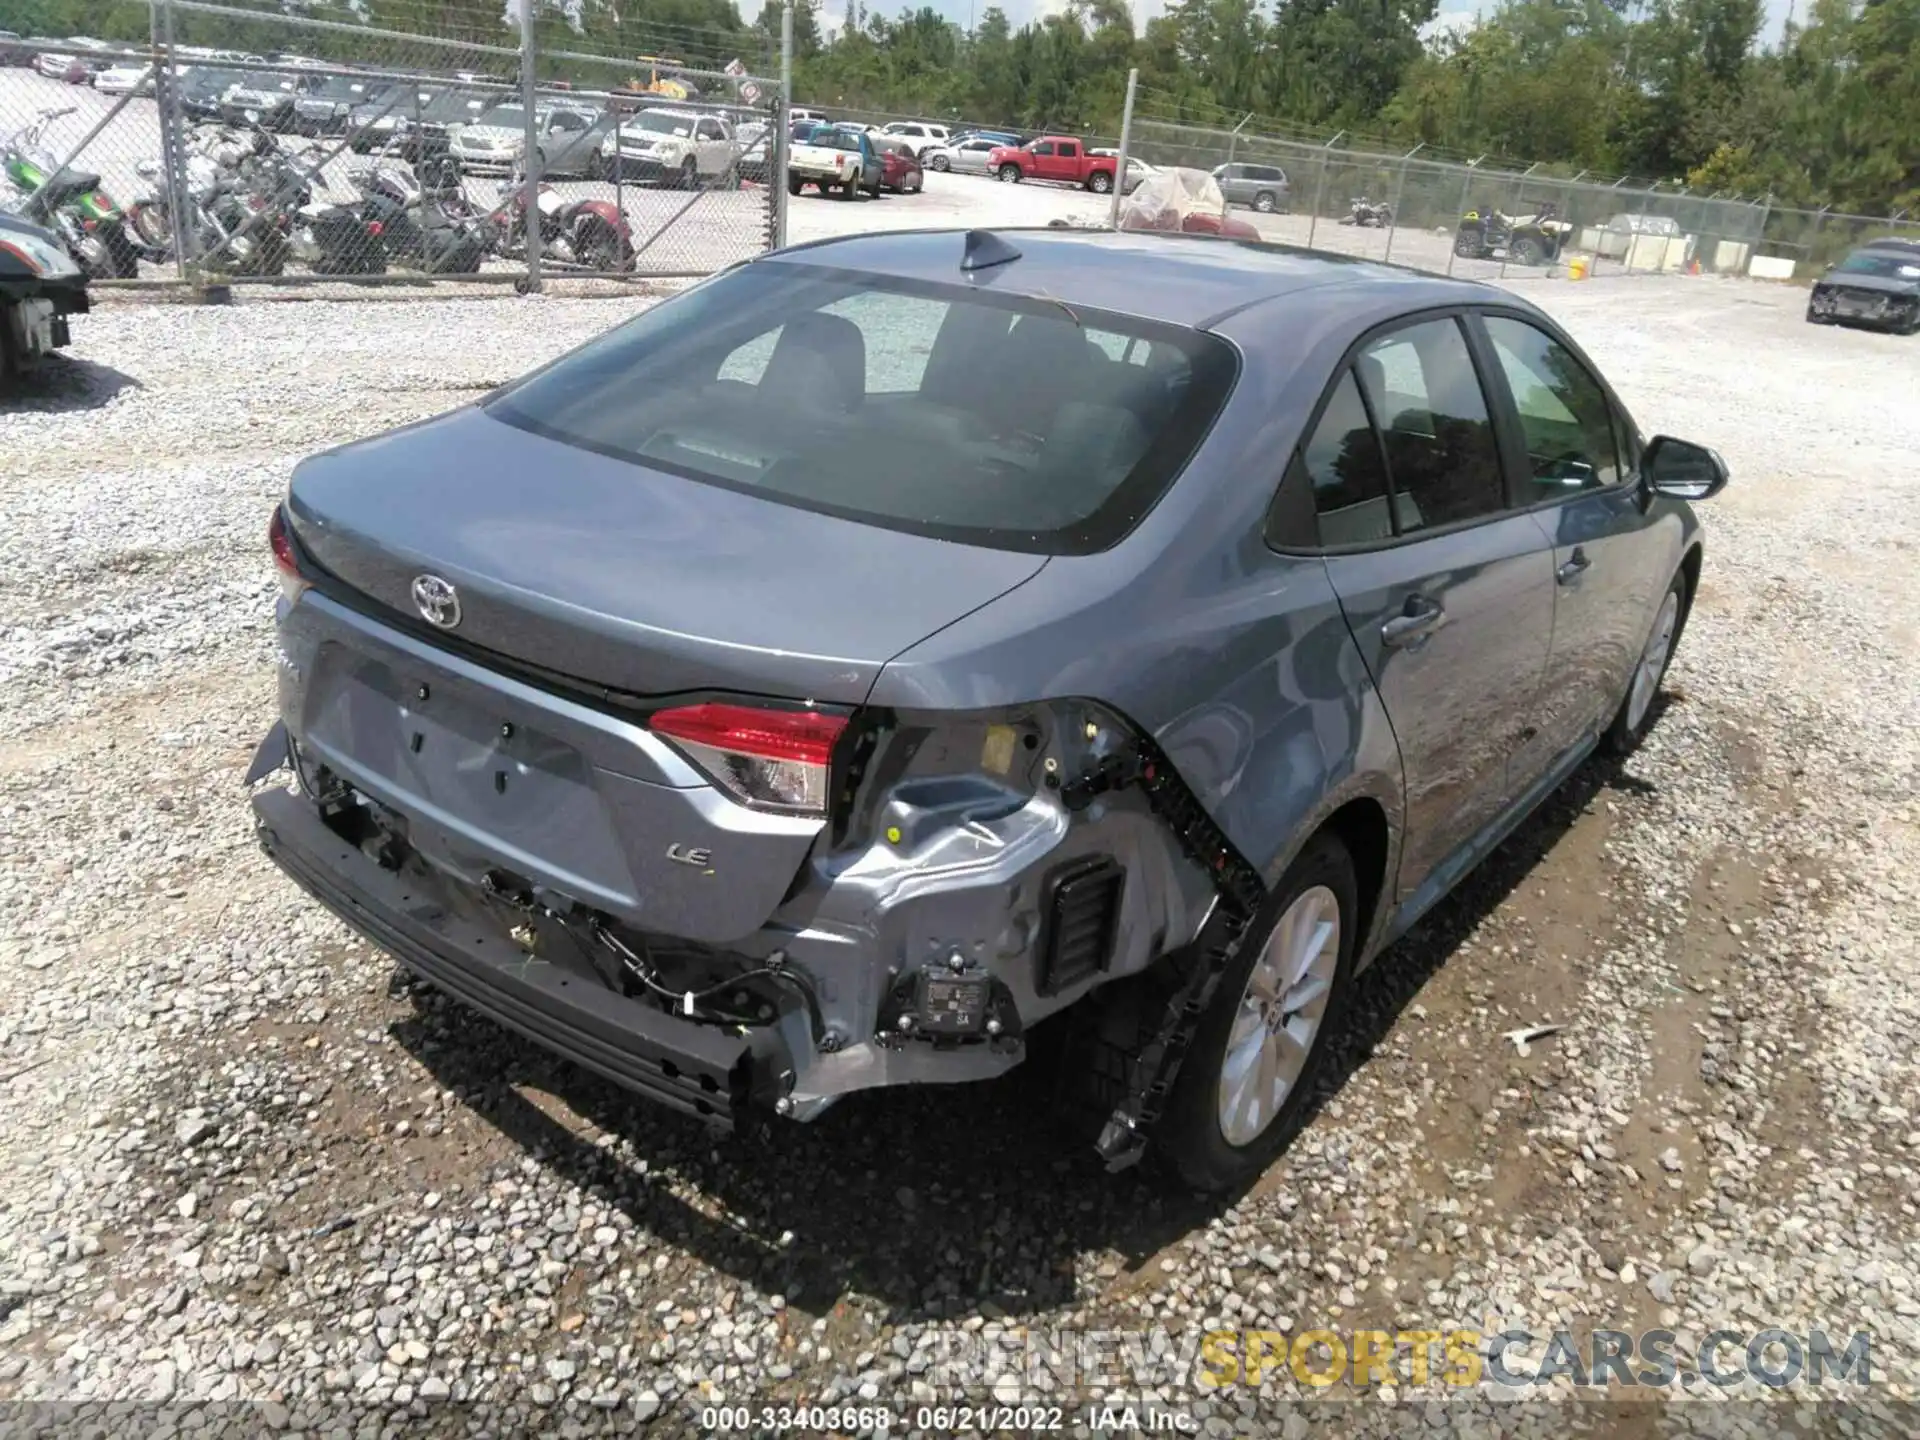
<point x="1663" y="90"/>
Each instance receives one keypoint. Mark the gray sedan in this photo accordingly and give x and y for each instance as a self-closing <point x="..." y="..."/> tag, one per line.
<point x="969" y="157"/>
<point x="920" y="643"/>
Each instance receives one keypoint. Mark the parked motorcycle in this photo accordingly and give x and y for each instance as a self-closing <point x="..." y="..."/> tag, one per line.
<point x="397" y="219"/>
<point x="1535" y="239"/>
<point x="589" y="233"/>
<point x="69" y="201"/>
<point x="1369" y="214"/>
<point x="241" y="190"/>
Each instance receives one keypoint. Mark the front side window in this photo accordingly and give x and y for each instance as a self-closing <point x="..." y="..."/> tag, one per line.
<point x="1045" y="147"/>
<point x="1425" y="395"/>
<point x="932" y="408"/>
<point x="1564" y="414"/>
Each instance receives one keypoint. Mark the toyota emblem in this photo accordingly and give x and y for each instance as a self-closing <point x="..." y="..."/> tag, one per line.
<point x="437" y="601"/>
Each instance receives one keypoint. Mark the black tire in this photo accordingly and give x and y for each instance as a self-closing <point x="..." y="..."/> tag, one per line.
<point x="1190" y="1130"/>
<point x="689" y="174"/>
<point x="1624" y="735"/>
<point x="850" y="190"/>
<point x="795" y="184"/>
<point x="1010" y="174"/>
<point x="1466" y="244"/>
<point x="940" y="162"/>
<point x="125" y="254"/>
<point x="1265" y="202"/>
<point x="596" y="166"/>
<point x="1527" y="251"/>
<point x="1100" y="182"/>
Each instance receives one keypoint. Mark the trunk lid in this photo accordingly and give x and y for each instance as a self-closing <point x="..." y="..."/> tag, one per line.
<point x="614" y="574"/>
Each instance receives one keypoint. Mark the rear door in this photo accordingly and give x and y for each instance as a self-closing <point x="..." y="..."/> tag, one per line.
<point x="1579" y="481"/>
<point x="1447" y="591"/>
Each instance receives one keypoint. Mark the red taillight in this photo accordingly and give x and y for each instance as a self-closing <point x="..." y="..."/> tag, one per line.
<point x="773" y="758"/>
<point x="89" y="224"/>
<point x="292" y="583"/>
<point x="375" y="229"/>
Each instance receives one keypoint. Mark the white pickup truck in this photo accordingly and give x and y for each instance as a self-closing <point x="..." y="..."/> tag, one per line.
<point x="833" y="157"/>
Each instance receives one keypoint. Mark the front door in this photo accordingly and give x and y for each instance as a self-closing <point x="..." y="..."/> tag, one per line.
<point x="1448" y="593"/>
<point x="1589" y="505"/>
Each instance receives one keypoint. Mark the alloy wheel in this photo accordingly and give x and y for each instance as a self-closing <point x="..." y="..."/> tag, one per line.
<point x="1279" y="1016"/>
<point x="1653" y="660"/>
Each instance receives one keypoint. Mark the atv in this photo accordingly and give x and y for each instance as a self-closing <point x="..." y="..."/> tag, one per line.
<point x="1484" y="233"/>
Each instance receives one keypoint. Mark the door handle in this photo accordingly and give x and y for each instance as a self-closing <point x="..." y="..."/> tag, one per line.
<point x="1419" y="620"/>
<point x="1577" y="565"/>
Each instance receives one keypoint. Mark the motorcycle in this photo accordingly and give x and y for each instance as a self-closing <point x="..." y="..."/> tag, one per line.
<point x="593" y="234"/>
<point x="69" y="201"/>
<point x="241" y="190"/>
<point x="1535" y="239"/>
<point x="1369" y="214"/>
<point x="429" y="226"/>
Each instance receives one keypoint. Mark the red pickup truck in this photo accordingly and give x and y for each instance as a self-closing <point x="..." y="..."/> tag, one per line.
<point x="1054" y="157"/>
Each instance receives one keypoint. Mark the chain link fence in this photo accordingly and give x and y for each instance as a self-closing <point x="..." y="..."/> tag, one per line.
<point x="243" y="145"/>
<point x="1456" y="218"/>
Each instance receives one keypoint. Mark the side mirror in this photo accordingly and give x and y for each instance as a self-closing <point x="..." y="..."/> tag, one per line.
<point x="1682" y="470"/>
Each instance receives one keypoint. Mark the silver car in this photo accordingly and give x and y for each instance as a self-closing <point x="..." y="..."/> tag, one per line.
<point x="757" y="709"/>
<point x="1258" y="187"/>
<point x="969" y="157"/>
<point x="568" y="140"/>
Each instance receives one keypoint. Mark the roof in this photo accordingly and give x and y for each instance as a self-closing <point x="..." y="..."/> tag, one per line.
<point x="1179" y="279"/>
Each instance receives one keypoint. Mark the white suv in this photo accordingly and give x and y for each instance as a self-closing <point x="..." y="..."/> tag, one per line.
<point x="670" y="147"/>
<point x="920" y="135"/>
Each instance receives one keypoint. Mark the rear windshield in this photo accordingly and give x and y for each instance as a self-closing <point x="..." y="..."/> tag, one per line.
<point x="942" y="410"/>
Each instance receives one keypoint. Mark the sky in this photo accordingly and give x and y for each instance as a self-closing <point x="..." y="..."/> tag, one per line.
<point x="1452" y="12"/>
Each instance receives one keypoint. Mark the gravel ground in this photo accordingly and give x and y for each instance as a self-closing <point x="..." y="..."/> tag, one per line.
<point x="244" y="1159"/>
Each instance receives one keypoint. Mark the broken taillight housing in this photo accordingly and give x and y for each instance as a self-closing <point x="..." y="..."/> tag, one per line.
<point x="770" y="758"/>
<point x="292" y="583"/>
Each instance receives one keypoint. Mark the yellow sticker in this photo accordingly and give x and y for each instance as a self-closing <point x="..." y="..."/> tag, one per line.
<point x="893" y="834"/>
<point x="996" y="756"/>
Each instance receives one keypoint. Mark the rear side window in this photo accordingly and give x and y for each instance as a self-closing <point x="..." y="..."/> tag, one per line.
<point x="1349" y="475"/>
<point x="1425" y="395"/>
<point x="937" y="409"/>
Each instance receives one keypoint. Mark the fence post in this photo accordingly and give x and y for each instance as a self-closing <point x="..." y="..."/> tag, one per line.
<point x="1319" y="191"/>
<point x="1233" y="144"/>
<point x="777" y="156"/>
<point x="530" y="161"/>
<point x="1399" y="192"/>
<point x="1466" y="193"/>
<point x="166" y="90"/>
<point x="1126" y="139"/>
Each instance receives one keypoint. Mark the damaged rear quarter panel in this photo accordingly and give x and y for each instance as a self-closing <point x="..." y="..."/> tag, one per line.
<point x="1238" y="660"/>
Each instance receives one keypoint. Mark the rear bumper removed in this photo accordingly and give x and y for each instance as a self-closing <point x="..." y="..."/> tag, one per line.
<point x="462" y="949"/>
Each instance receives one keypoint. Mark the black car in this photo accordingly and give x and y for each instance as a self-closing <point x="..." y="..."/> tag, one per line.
<point x="40" y="286"/>
<point x="202" y="89"/>
<point x="325" y="109"/>
<point x="1878" y="286"/>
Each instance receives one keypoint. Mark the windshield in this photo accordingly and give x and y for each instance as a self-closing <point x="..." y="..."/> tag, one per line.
<point x="1886" y="263"/>
<point x="836" y="139"/>
<point x="454" y="107"/>
<point x="213" y="79"/>
<point x="345" y="87"/>
<point x="982" y="418"/>
<point x="656" y="122"/>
